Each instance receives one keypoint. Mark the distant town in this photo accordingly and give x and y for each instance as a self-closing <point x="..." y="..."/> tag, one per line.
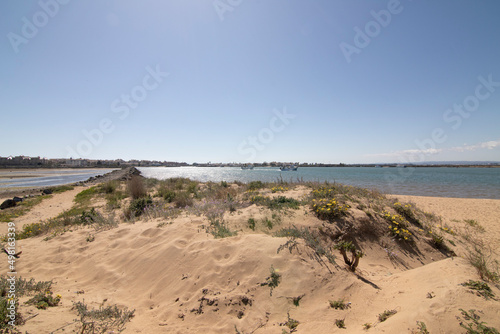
<point x="22" y="161"/>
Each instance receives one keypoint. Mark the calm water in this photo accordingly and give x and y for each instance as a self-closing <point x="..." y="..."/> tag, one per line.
<point x="428" y="181"/>
<point x="48" y="178"/>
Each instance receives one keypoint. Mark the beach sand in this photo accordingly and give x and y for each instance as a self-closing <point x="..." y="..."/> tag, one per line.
<point x="179" y="279"/>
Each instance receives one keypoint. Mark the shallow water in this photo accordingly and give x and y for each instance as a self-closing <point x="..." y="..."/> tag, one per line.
<point x="423" y="181"/>
<point x="47" y="178"/>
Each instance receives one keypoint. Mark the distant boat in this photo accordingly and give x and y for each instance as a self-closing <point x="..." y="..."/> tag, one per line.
<point x="249" y="166"/>
<point x="288" y="168"/>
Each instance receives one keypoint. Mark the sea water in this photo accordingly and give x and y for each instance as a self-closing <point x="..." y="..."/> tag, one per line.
<point x="48" y="178"/>
<point x="464" y="182"/>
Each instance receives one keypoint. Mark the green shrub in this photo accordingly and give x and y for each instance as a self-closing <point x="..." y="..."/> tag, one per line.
<point x="292" y="324"/>
<point x="136" y="187"/>
<point x="398" y="227"/>
<point x="277" y="203"/>
<point x="114" y="199"/>
<point x="268" y="223"/>
<point x="386" y="314"/>
<point x="481" y="288"/>
<point x="328" y="209"/>
<point x="62" y="188"/>
<point x="347" y="246"/>
<point x="168" y="195"/>
<point x="43" y="300"/>
<point x="340" y="323"/>
<point x="183" y="199"/>
<point x="422" y="328"/>
<point x="84" y="197"/>
<point x="273" y="280"/>
<point x="251" y="223"/>
<point x="109" y="187"/>
<point x="219" y="230"/>
<point x="339" y="304"/>
<point x="137" y="206"/>
<point x="282" y="202"/>
<point x="192" y="187"/>
<point x="23" y="287"/>
<point x="255" y="185"/>
<point x="6" y="304"/>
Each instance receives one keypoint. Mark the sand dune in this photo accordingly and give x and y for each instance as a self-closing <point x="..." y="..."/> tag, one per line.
<point x="179" y="279"/>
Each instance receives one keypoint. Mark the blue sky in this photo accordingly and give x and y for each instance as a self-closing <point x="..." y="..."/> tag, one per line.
<point x="241" y="80"/>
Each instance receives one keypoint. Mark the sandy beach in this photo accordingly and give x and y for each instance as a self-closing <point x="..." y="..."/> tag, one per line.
<point x="180" y="279"/>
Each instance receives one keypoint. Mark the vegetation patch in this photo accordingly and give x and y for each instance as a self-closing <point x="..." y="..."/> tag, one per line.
<point x="66" y="220"/>
<point x="278" y="189"/>
<point x="328" y="209"/>
<point x="137" y="207"/>
<point x="481" y="288"/>
<point x="84" y="197"/>
<point x="251" y="223"/>
<point x="339" y="304"/>
<point x="340" y="323"/>
<point x="44" y="300"/>
<point x="486" y="268"/>
<point x="273" y="280"/>
<point x="386" y="315"/>
<point x="291" y="323"/>
<point x="471" y="322"/>
<point x="347" y="246"/>
<point x="398" y="227"/>
<point x="219" y="230"/>
<point x="103" y="320"/>
<point x="255" y="185"/>
<point x="310" y="240"/>
<point x="277" y="203"/>
<point x="136" y="187"/>
<point x="62" y="188"/>
<point x="421" y="328"/>
<point x="7" y="215"/>
<point x="7" y="301"/>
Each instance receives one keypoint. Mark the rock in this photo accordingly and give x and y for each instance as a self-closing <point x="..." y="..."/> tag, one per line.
<point x="8" y="203"/>
<point x="17" y="199"/>
<point x="46" y="191"/>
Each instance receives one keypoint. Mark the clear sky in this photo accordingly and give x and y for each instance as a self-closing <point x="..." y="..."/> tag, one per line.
<point x="245" y="80"/>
